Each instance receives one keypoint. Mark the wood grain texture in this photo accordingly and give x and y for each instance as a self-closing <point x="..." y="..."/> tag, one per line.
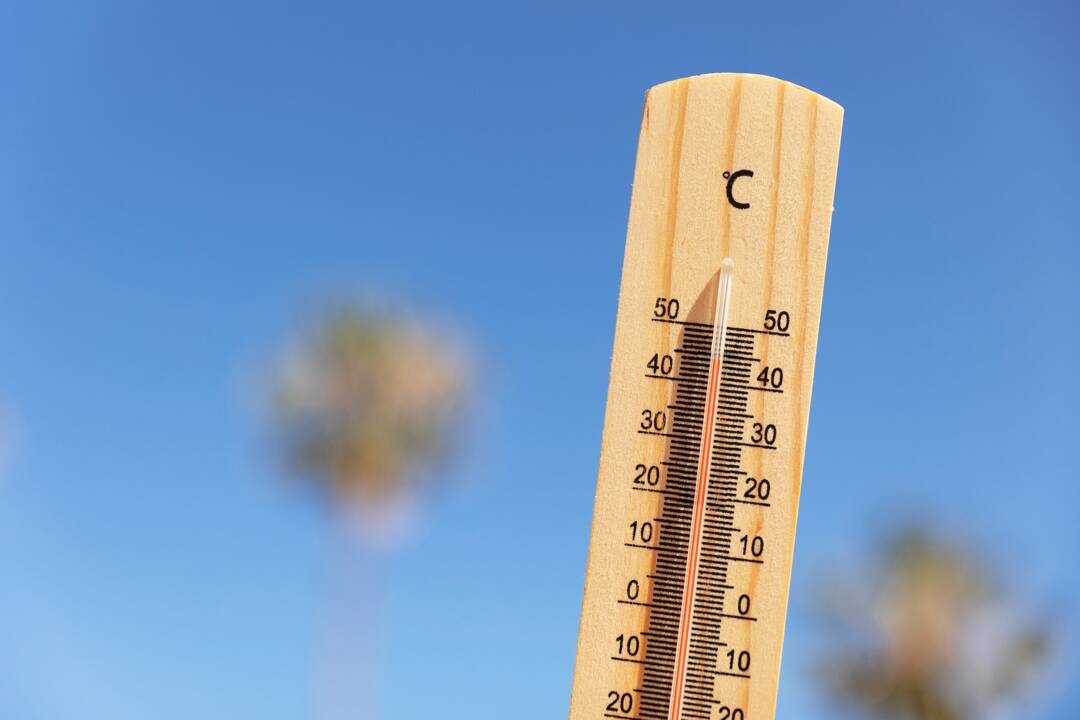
<point x="689" y="212"/>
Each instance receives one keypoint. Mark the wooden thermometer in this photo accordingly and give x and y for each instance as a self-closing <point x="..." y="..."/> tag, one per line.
<point x="701" y="464"/>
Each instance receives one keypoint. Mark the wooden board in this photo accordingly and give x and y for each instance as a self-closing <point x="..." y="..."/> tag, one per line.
<point x="738" y="167"/>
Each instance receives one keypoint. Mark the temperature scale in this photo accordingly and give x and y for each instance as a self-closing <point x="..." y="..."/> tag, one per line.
<point x="704" y="435"/>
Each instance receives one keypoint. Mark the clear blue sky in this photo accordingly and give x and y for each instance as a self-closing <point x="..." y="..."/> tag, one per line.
<point x="180" y="183"/>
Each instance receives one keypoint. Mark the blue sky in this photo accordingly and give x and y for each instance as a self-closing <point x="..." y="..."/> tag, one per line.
<point x="181" y="184"/>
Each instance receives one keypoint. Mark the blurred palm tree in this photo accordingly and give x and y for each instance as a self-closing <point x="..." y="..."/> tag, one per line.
<point x="367" y="407"/>
<point x="928" y="635"/>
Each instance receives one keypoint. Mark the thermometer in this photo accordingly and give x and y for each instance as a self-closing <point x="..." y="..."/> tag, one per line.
<point x="704" y="435"/>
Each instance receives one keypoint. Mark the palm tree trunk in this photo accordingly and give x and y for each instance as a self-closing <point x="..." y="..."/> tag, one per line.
<point x="346" y="682"/>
